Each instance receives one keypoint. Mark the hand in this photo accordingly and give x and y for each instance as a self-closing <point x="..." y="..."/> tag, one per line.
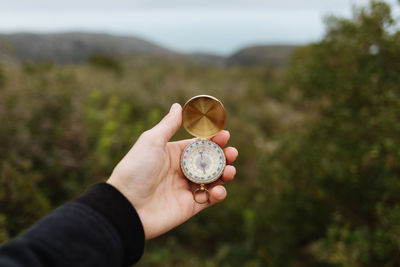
<point x="150" y="177"/>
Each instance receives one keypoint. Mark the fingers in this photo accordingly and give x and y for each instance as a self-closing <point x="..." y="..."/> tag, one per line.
<point x="228" y="173"/>
<point x="168" y="126"/>
<point x="217" y="194"/>
<point x="231" y="154"/>
<point x="221" y="138"/>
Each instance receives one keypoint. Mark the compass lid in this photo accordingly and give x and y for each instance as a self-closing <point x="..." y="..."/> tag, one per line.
<point x="203" y="116"/>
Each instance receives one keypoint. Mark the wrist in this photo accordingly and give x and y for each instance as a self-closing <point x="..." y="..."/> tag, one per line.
<point x="137" y="205"/>
<point x="108" y="201"/>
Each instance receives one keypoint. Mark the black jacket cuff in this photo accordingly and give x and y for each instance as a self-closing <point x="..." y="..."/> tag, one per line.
<point x="112" y="204"/>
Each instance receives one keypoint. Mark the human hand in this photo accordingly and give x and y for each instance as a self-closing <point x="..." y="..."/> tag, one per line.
<point x="150" y="177"/>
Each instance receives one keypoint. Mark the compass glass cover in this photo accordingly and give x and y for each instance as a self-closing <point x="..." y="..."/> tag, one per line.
<point x="203" y="161"/>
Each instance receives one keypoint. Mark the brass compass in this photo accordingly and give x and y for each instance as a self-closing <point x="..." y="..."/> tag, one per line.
<point x="203" y="161"/>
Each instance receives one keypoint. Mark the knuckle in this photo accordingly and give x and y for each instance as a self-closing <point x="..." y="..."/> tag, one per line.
<point x="146" y="135"/>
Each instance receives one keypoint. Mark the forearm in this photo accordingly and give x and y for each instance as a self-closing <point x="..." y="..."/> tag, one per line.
<point x="100" y="228"/>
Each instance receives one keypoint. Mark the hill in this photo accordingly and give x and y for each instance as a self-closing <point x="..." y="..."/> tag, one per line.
<point x="75" y="47"/>
<point x="273" y="55"/>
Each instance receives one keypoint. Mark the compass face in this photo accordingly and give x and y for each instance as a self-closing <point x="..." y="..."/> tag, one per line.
<point x="203" y="161"/>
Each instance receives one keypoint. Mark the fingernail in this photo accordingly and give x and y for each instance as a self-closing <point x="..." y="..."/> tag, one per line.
<point x="237" y="152"/>
<point x="221" y="192"/>
<point x="173" y="107"/>
<point x="233" y="169"/>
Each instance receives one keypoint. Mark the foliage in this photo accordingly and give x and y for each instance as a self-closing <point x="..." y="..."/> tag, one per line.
<point x="105" y="62"/>
<point x="341" y="193"/>
<point x="318" y="169"/>
<point x="2" y="76"/>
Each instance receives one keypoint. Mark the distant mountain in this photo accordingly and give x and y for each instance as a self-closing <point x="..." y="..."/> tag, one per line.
<point x="273" y="55"/>
<point x="208" y="59"/>
<point x="75" y="47"/>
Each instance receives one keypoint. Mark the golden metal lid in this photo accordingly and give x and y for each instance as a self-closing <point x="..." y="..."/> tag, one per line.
<point x="203" y="116"/>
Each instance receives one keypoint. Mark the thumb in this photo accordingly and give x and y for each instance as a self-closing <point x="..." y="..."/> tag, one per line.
<point x="168" y="126"/>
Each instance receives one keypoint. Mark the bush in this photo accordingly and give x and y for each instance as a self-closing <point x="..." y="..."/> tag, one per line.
<point x="340" y="196"/>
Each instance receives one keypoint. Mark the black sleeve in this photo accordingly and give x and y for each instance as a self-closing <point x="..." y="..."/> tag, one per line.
<point x="100" y="228"/>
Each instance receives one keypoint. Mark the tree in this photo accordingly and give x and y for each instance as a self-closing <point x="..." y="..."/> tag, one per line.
<point x="339" y="191"/>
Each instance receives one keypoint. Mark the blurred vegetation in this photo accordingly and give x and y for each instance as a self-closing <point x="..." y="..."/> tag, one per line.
<point x="105" y="62"/>
<point x="318" y="180"/>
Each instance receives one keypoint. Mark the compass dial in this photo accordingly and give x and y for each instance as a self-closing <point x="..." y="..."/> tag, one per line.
<point x="203" y="161"/>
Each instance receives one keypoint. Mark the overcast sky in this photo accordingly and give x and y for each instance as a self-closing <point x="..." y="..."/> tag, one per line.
<point x="217" y="26"/>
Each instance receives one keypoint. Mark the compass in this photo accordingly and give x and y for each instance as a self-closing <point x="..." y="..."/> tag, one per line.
<point x="203" y="161"/>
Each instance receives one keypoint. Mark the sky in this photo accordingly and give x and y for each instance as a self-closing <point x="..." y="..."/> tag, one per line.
<point x="213" y="26"/>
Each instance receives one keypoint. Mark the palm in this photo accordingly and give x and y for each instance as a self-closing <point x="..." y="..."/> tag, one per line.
<point x="168" y="196"/>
